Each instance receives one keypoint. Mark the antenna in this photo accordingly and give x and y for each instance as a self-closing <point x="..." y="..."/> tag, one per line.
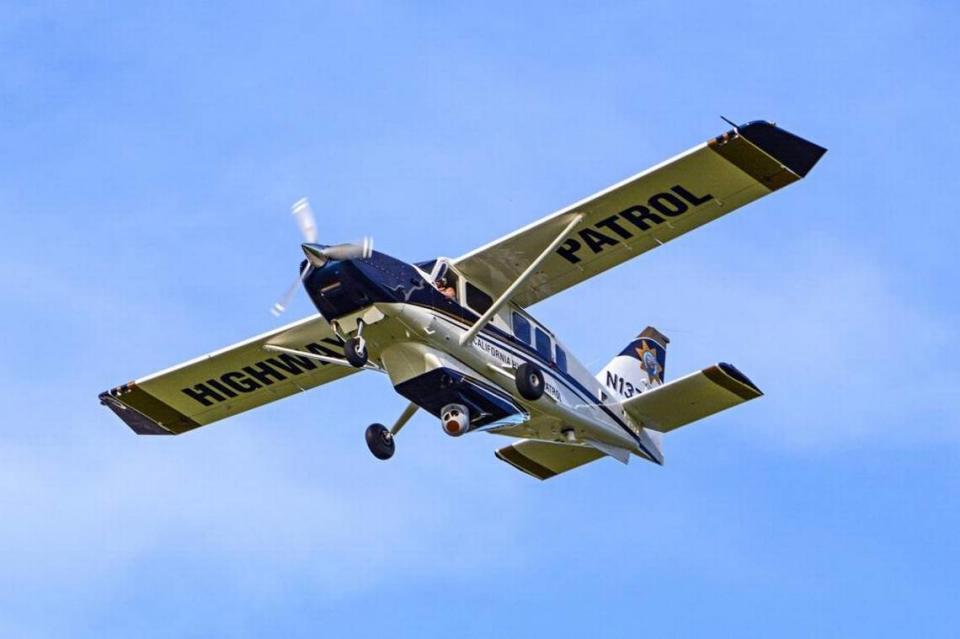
<point x="727" y="120"/>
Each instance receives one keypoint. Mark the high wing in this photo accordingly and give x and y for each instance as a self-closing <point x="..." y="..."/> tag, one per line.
<point x="691" y="398"/>
<point x="229" y="381"/>
<point x="643" y="211"/>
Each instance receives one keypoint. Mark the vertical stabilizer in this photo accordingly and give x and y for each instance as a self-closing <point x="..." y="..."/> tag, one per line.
<point x="638" y="367"/>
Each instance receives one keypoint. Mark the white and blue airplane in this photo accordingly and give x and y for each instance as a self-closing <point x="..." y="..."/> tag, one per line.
<point x="456" y="340"/>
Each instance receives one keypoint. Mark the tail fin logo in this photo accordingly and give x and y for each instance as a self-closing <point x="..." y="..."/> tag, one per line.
<point x="649" y="363"/>
<point x="639" y="366"/>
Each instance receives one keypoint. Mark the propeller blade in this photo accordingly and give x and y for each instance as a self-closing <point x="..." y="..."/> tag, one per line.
<point x="319" y="255"/>
<point x="281" y="305"/>
<point x="360" y="251"/>
<point x="305" y="220"/>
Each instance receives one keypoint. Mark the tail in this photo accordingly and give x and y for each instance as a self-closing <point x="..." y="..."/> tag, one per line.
<point x="638" y="367"/>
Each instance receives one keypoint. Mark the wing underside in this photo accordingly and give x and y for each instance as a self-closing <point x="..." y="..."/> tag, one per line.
<point x="229" y="381"/>
<point x="691" y="398"/>
<point x="644" y="211"/>
<point x="544" y="460"/>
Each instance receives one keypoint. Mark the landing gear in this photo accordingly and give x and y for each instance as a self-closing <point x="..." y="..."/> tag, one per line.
<point x="530" y="381"/>
<point x="380" y="441"/>
<point x="355" y="351"/>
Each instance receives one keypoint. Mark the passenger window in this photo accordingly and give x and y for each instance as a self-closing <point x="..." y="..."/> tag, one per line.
<point x="477" y="299"/>
<point x="521" y="328"/>
<point x="561" y="359"/>
<point x="543" y="343"/>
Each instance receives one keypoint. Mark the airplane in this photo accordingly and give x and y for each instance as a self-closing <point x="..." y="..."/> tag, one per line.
<point x="456" y="340"/>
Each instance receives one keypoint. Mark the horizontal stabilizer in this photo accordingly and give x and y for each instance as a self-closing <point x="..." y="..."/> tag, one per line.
<point x="543" y="460"/>
<point x="691" y="398"/>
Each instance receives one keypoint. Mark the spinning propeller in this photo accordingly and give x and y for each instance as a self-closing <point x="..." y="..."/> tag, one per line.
<point x="317" y="254"/>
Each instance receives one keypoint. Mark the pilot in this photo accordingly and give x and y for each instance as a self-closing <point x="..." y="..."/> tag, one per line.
<point x="446" y="289"/>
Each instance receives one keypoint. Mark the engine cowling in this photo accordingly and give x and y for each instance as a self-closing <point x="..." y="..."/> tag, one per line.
<point x="455" y="419"/>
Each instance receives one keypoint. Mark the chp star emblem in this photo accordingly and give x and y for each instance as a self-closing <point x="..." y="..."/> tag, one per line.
<point x="649" y="363"/>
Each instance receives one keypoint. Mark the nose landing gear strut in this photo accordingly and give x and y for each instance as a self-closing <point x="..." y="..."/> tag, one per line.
<point x="355" y="348"/>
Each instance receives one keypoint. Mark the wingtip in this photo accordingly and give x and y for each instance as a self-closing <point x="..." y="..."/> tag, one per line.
<point x="796" y="153"/>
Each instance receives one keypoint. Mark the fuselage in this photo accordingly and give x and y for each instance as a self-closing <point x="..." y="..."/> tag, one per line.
<point x="412" y="331"/>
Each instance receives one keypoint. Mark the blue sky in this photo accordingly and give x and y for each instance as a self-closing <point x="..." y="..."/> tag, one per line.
<point x="150" y="155"/>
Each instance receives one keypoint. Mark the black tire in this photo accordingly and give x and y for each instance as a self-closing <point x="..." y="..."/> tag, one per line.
<point x="530" y="381"/>
<point x="354" y="353"/>
<point x="380" y="441"/>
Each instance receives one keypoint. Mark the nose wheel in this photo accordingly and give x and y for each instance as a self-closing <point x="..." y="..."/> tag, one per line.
<point x="355" y="348"/>
<point x="380" y="441"/>
<point x="355" y="351"/>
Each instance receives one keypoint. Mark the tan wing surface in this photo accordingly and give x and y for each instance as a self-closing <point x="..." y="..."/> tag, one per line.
<point x="544" y="460"/>
<point x="691" y="398"/>
<point x="644" y="211"/>
<point x="229" y="381"/>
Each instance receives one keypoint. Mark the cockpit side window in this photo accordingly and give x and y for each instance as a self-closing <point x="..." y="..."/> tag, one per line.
<point x="446" y="282"/>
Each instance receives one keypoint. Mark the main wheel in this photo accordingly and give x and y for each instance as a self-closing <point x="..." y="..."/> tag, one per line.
<point x="530" y="381"/>
<point x="355" y="352"/>
<point x="380" y="441"/>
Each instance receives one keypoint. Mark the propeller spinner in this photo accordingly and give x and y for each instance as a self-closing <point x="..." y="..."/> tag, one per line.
<point x="317" y="254"/>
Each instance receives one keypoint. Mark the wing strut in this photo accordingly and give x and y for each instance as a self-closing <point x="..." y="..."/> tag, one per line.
<point x="320" y="358"/>
<point x="507" y="294"/>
